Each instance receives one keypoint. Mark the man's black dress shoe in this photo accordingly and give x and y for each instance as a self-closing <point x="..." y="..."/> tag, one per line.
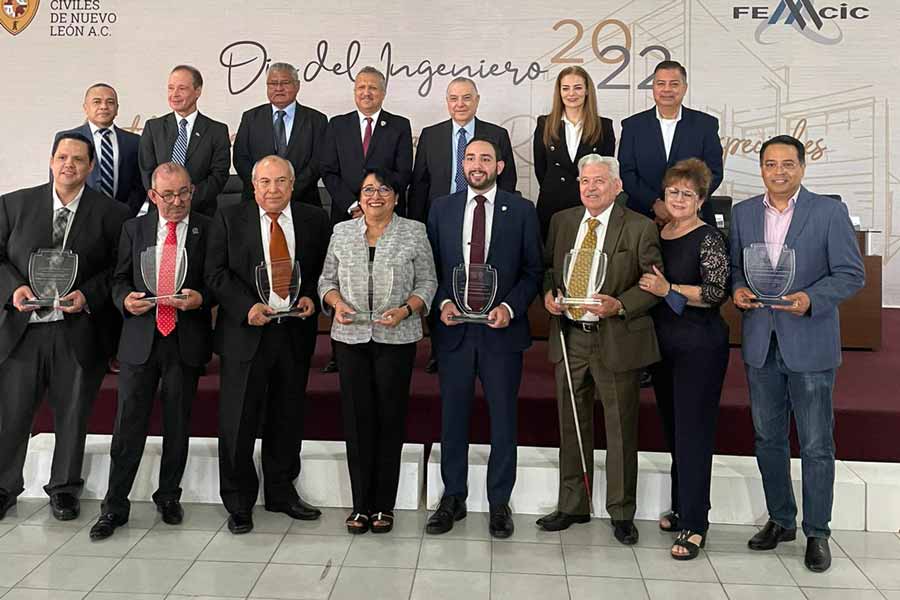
<point x="501" y="524"/>
<point x="818" y="554"/>
<point x="65" y="507"/>
<point x="431" y="366"/>
<point x="625" y="532"/>
<point x="557" y="521"/>
<point x="240" y="522"/>
<point x="330" y="366"/>
<point x="450" y="510"/>
<point x="106" y="525"/>
<point x="5" y="504"/>
<point x="769" y="536"/>
<point x="298" y="509"/>
<point x="171" y="511"/>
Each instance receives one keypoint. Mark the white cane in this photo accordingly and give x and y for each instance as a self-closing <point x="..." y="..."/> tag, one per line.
<point x="584" y="471"/>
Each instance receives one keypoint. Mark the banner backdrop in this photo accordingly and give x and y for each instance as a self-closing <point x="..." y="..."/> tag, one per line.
<point x="824" y="71"/>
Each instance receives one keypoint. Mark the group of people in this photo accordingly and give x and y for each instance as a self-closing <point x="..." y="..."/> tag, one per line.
<point x="407" y="240"/>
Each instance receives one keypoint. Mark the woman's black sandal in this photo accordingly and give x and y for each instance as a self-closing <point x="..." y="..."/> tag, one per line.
<point x="382" y="522"/>
<point x="684" y="541"/>
<point x="672" y="517"/>
<point x="357" y="523"/>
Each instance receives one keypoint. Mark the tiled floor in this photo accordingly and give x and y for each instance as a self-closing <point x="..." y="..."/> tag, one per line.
<point x="284" y="559"/>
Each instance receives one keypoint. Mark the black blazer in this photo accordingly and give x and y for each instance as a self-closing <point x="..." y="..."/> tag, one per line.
<point x="256" y="139"/>
<point x="343" y="164"/>
<point x="233" y="252"/>
<point x="194" y="327"/>
<point x="515" y="252"/>
<point x="557" y="174"/>
<point x="26" y="224"/>
<point x="642" y="156"/>
<point x="208" y="156"/>
<point x="130" y="189"/>
<point x="434" y="161"/>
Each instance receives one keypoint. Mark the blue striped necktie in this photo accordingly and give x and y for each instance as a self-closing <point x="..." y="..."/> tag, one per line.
<point x="107" y="165"/>
<point x="460" y="155"/>
<point x="179" y="151"/>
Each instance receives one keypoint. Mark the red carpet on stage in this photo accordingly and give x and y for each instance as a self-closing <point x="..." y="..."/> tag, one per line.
<point x="866" y="404"/>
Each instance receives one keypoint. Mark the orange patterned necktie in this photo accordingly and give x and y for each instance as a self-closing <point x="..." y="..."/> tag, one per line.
<point x="279" y="258"/>
<point x="580" y="277"/>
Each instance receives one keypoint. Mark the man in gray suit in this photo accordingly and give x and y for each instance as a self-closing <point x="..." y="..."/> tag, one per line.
<point x="791" y="352"/>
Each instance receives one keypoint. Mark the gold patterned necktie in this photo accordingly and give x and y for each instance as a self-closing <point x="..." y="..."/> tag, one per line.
<point x="580" y="277"/>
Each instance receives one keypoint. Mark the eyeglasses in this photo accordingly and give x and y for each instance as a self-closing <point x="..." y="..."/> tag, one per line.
<point x="280" y="83"/>
<point x="383" y="191"/>
<point x="184" y="194"/>
<point x="673" y="192"/>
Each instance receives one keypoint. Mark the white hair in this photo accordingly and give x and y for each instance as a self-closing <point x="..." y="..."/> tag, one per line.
<point x="595" y="159"/>
<point x="271" y="158"/>
<point x="286" y="68"/>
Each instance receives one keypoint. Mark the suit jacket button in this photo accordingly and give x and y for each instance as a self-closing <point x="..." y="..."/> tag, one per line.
<point x="552" y="148"/>
<point x="562" y="178"/>
<point x="557" y="164"/>
<point x="594" y="149"/>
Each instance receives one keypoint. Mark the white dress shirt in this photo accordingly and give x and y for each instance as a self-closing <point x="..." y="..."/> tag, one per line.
<point x="573" y="137"/>
<point x="286" y="221"/>
<point x="600" y="231"/>
<point x="668" y="129"/>
<point x="98" y="151"/>
<point x="72" y="207"/>
<point x="289" y="112"/>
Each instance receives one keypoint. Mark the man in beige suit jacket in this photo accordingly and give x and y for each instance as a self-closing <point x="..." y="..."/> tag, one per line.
<point x="607" y="344"/>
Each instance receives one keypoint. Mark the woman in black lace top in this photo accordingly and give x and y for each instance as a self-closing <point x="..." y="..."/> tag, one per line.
<point x="693" y="342"/>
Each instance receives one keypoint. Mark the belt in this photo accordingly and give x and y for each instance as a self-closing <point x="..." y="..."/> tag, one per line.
<point x="585" y="326"/>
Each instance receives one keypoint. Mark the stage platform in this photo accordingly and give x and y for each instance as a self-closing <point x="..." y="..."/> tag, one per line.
<point x="866" y="403"/>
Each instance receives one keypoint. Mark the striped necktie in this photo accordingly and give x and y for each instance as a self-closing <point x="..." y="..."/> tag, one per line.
<point x="179" y="150"/>
<point x="107" y="165"/>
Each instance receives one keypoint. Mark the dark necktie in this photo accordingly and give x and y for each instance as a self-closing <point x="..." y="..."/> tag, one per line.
<point x="460" y="155"/>
<point x="280" y="134"/>
<point x="475" y="296"/>
<point x="107" y="166"/>
<point x="367" y="136"/>
<point x="179" y="150"/>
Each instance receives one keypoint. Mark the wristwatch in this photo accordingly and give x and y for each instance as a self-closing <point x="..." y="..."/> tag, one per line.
<point x="408" y="308"/>
<point x="621" y="311"/>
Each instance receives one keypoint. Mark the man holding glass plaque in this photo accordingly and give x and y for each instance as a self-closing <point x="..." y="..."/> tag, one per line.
<point x="487" y="252"/>
<point x="792" y="344"/>
<point x="265" y="349"/>
<point x="166" y="337"/>
<point x="60" y="349"/>
<point x="609" y="339"/>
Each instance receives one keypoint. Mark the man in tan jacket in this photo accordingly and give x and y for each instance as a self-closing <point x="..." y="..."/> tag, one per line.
<point x="607" y="343"/>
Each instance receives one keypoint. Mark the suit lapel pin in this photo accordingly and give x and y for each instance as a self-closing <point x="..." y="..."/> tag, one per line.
<point x="383" y="123"/>
<point x="196" y="134"/>
<point x="195" y="231"/>
<point x="503" y="208"/>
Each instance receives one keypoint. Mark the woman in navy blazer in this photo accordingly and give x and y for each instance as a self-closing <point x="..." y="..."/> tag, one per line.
<point x="555" y="159"/>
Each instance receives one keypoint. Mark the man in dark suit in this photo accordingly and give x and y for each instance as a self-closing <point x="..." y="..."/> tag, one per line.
<point x="61" y="351"/>
<point x="367" y="138"/>
<point x="188" y="138"/>
<point x="482" y="225"/>
<point x="169" y="340"/>
<point x="438" y="169"/>
<point x="117" y="174"/>
<point x="265" y="360"/>
<point x="655" y="139"/>
<point x="607" y="344"/>
<point x="284" y="127"/>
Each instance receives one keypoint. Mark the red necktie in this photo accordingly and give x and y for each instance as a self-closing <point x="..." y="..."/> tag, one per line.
<point x="367" y="137"/>
<point x="165" y="282"/>
<point x="475" y="297"/>
<point x="279" y="258"/>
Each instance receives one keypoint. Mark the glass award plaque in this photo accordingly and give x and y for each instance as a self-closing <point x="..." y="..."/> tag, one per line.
<point x="278" y="286"/>
<point x="474" y="291"/>
<point x="588" y="267"/>
<point x="51" y="275"/>
<point x="769" y="270"/>
<point x="150" y="274"/>
<point x="369" y="302"/>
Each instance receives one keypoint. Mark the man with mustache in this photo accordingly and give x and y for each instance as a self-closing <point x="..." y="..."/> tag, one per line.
<point x="482" y="226"/>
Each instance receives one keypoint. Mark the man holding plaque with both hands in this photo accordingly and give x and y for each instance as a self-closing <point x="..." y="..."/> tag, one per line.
<point x="794" y="259"/>
<point x="601" y="339"/>
<point x="263" y="263"/>
<point x="166" y="337"/>
<point x="61" y="347"/>
<point x="487" y="252"/>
